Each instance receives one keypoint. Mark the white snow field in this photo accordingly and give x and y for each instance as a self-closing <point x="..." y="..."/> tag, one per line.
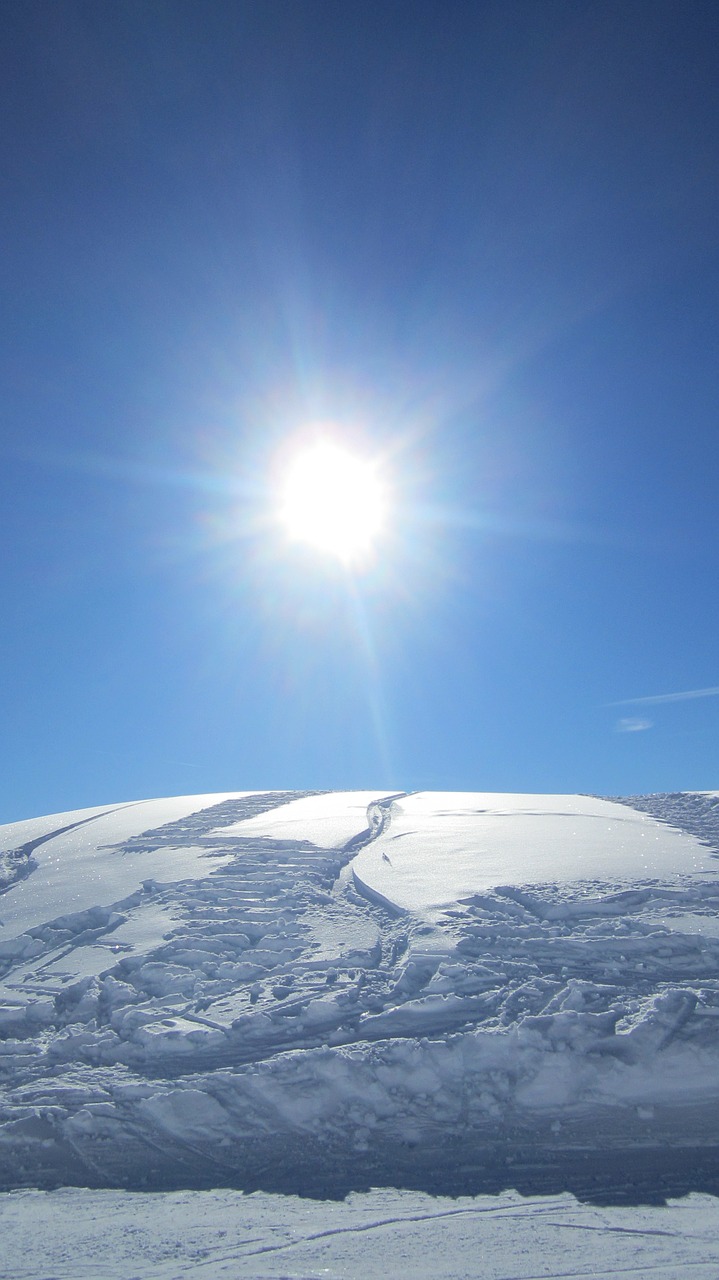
<point x="221" y="1015"/>
<point x="376" y="1235"/>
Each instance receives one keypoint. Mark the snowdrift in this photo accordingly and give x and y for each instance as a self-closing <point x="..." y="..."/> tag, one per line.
<point x="320" y="992"/>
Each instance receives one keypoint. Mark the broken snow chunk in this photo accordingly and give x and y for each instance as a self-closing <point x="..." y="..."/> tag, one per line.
<point x="79" y="1001"/>
<point x="177" y="1035"/>
<point x="186" y="1113"/>
<point x="115" y="993"/>
<point x="321" y="1013"/>
<point x="657" y="1022"/>
<point x="26" y="1018"/>
<point x="165" y="979"/>
<point x="281" y="990"/>
<point x="252" y="1025"/>
<point x="22" y="948"/>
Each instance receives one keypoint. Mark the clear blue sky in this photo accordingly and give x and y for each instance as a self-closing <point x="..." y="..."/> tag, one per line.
<point x="480" y="236"/>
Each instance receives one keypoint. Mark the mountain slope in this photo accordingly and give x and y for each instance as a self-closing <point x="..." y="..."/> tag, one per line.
<point x="321" y="991"/>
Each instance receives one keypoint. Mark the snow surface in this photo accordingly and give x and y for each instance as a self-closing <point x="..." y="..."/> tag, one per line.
<point x="439" y="994"/>
<point x="225" y="1235"/>
<point x="80" y="856"/>
<point x="329" y="826"/>
<point x="443" y="846"/>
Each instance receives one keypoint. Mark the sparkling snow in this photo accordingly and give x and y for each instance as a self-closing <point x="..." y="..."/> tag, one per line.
<point x="443" y="846"/>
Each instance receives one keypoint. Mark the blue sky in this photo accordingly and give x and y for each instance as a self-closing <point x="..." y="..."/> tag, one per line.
<point x="478" y="238"/>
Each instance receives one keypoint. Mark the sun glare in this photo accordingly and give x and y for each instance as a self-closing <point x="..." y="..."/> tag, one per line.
<point x="333" y="500"/>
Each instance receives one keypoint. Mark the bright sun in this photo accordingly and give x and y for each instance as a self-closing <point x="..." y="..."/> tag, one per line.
<point x="333" y="500"/>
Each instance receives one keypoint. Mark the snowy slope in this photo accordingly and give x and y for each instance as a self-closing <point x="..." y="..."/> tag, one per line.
<point x="328" y="991"/>
<point x="442" y="846"/>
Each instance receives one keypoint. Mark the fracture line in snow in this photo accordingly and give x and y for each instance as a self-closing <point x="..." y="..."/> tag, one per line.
<point x="493" y="1211"/>
<point x="25" y="850"/>
<point x="19" y="863"/>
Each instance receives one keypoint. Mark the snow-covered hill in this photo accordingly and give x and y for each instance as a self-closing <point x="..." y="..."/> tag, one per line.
<point x="320" y="992"/>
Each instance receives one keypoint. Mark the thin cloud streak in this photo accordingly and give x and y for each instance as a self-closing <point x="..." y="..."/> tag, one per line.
<point x="668" y="697"/>
<point x="632" y="724"/>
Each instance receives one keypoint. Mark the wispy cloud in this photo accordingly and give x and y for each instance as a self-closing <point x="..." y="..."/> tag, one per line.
<point x="633" y="724"/>
<point x="656" y="698"/>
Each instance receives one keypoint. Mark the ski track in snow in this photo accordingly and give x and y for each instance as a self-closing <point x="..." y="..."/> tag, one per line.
<point x="268" y="1020"/>
<point x="212" y="1234"/>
